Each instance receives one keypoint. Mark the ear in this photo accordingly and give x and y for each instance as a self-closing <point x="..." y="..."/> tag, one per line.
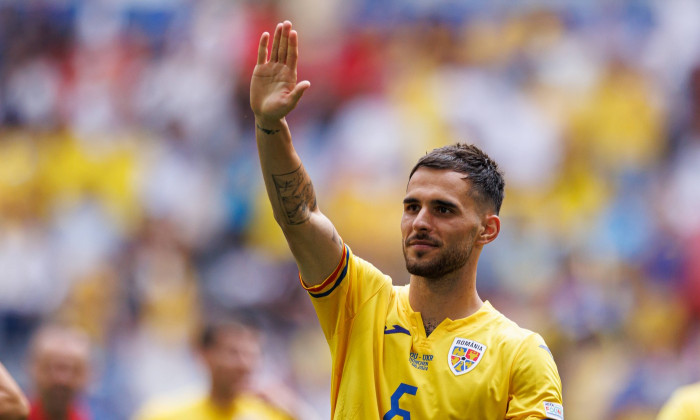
<point x="491" y="226"/>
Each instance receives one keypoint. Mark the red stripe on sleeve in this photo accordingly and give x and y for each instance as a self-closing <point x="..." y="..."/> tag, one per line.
<point x="330" y="279"/>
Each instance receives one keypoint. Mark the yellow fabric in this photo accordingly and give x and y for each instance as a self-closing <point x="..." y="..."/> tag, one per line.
<point x="620" y="125"/>
<point x="244" y="408"/>
<point x="18" y="167"/>
<point x="70" y="170"/>
<point x="684" y="404"/>
<point x="378" y="343"/>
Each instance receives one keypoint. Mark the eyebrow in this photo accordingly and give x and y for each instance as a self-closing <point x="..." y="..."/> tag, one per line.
<point x="448" y="204"/>
<point x="444" y="203"/>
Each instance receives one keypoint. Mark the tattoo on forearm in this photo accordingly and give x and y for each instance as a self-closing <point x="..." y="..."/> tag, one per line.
<point x="267" y="130"/>
<point x="296" y="195"/>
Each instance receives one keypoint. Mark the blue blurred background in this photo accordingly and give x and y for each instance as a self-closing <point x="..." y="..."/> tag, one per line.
<point x="131" y="201"/>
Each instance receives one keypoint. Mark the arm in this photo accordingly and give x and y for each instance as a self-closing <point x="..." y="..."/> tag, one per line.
<point x="13" y="403"/>
<point x="274" y="92"/>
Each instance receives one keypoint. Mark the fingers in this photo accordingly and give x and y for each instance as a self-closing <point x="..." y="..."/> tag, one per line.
<point x="293" y="50"/>
<point x="276" y="42"/>
<point x="299" y="90"/>
<point x="262" y="48"/>
<point x="285" y="45"/>
<point x="284" y="42"/>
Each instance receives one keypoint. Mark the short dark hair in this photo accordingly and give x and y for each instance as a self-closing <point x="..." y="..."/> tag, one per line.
<point x="486" y="178"/>
<point x="211" y="330"/>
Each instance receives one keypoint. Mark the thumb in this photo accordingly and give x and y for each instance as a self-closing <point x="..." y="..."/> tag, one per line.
<point x="299" y="90"/>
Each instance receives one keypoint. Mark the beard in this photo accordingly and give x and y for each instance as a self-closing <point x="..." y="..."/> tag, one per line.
<point x="446" y="261"/>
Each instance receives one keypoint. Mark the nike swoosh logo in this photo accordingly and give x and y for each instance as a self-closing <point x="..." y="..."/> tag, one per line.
<point x="396" y="330"/>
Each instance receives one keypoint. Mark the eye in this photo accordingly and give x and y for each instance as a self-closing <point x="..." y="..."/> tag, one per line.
<point x="411" y="207"/>
<point x="443" y="210"/>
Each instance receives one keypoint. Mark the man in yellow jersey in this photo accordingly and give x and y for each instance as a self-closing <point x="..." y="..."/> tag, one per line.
<point x="13" y="403"/>
<point x="429" y="350"/>
<point x="230" y="352"/>
<point x="684" y="404"/>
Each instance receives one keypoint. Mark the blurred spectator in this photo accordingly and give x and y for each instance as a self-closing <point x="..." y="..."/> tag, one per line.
<point x="13" y="403"/>
<point x="231" y="352"/>
<point x="60" y="368"/>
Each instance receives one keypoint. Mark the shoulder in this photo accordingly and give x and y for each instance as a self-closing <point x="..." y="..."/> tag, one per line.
<point x="525" y="348"/>
<point x="352" y="274"/>
<point x="257" y="407"/>
<point x="508" y="332"/>
<point x="363" y="267"/>
<point x="170" y="408"/>
<point x="685" y="401"/>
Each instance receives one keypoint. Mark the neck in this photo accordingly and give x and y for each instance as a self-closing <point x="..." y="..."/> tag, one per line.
<point x="57" y="412"/>
<point x="453" y="296"/>
<point x="222" y="397"/>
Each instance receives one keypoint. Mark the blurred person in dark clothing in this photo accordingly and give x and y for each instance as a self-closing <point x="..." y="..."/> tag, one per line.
<point x="59" y="368"/>
<point x="13" y="403"/>
<point x="231" y="354"/>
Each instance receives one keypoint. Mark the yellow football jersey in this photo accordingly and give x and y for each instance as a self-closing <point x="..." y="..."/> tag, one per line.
<point x="684" y="404"/>
<point x="483" y="367"/>
<point x="245" y="407"/>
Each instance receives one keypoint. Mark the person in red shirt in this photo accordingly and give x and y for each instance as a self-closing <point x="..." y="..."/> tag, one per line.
<point x="59" y="368"/>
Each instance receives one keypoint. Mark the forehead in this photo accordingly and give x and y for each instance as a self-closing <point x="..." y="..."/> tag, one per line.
<point x="431" y="183"/>
<point x="236" y="338"/>
<point x="61" y="348"/>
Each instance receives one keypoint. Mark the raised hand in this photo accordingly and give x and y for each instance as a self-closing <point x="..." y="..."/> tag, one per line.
<point x="274" y="90"/>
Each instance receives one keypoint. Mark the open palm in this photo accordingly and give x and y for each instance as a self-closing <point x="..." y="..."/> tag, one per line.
<point x="274" y="90"/>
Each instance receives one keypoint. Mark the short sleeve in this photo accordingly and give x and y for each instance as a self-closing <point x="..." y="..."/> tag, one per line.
<point x="337" y="299"/>
<point x="535" y="389"/>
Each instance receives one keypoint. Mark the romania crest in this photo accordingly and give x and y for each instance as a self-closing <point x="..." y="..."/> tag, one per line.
<point x="464" y="355"/>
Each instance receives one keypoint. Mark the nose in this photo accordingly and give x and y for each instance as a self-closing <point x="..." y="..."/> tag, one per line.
<point x="422" y="221"/>
<point x="63" y="375"/>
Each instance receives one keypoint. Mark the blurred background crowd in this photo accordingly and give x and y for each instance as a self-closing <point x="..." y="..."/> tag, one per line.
<point x="132" y="206"/>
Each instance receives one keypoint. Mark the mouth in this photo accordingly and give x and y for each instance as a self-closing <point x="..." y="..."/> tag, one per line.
<point x="422" y="244"/>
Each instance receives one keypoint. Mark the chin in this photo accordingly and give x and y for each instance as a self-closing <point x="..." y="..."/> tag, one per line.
<point x="437" y="266"/>
<point x="424" y="269"/>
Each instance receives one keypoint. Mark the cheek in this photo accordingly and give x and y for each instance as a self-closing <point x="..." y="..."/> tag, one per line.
<point x="406" y="223"/>
<point x="470" y="235"/>
<point x="462" y="234"/>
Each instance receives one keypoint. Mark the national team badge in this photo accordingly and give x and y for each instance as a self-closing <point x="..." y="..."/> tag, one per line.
<point x="464" y="355"/>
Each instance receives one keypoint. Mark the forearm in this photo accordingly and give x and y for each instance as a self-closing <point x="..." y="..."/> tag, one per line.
<point x="312" y="238"/>
<point x="289" y="187"/>
<point x="13" y="403"/>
